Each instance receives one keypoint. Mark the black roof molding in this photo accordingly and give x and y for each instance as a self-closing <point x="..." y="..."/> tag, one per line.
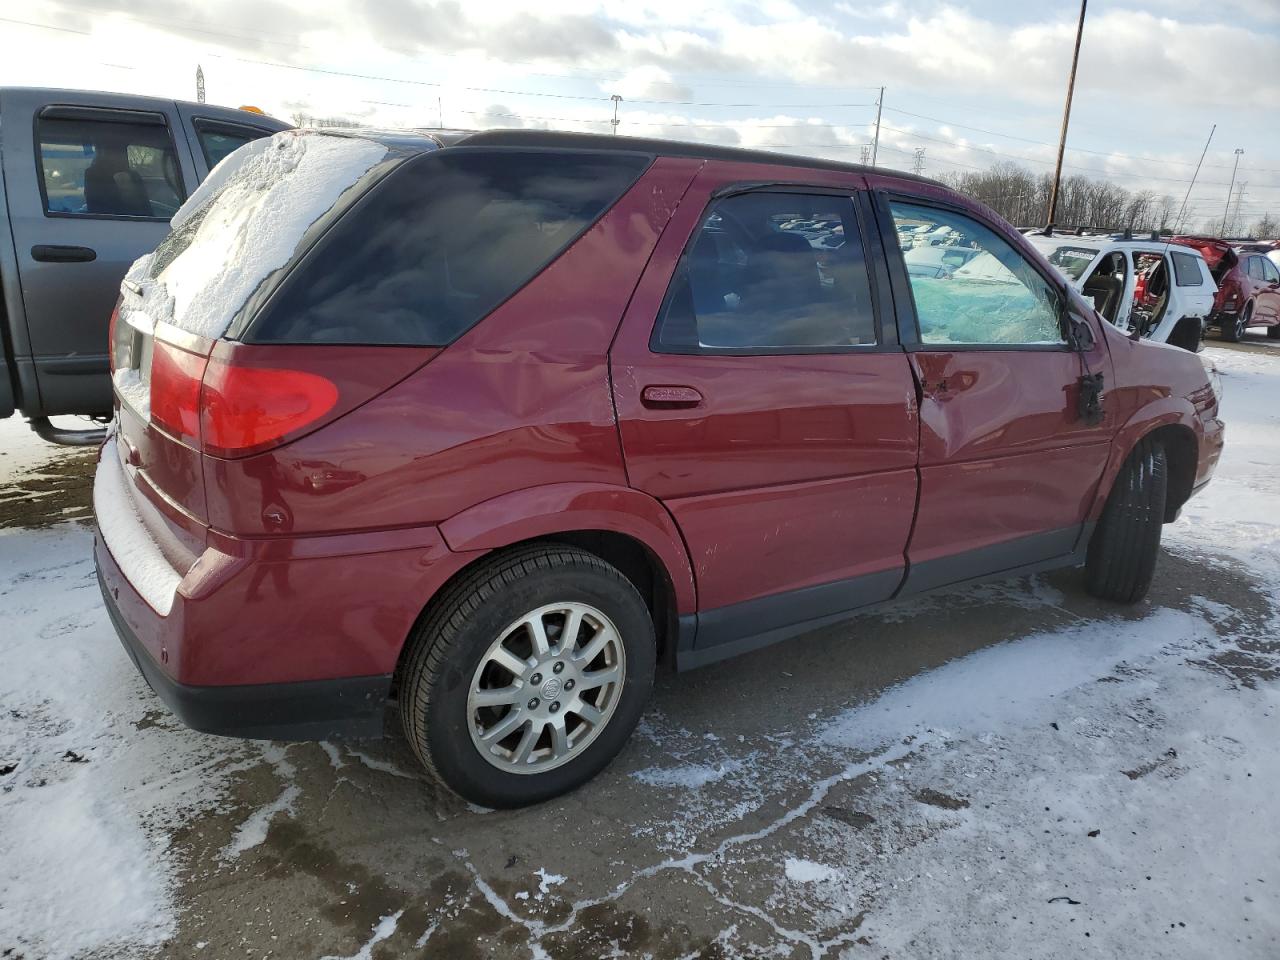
<point x="563" y="140"/>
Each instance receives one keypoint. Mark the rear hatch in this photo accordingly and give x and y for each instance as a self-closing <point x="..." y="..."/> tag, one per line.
<point x="174" y="385"/>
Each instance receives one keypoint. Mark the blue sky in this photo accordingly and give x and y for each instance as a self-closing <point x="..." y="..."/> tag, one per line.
<point x="970" y="82"/>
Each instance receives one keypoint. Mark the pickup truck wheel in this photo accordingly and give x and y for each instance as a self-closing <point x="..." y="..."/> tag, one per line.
<point x="1122" y="553"/>
<point x="528" y="676"/>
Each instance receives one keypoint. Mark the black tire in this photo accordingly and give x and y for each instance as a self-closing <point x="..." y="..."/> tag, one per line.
<point x="452" y="639"/>
<point x="1233" y="330"/>
<point x="1123" y="551"/>
<point x="1274" y="332"/>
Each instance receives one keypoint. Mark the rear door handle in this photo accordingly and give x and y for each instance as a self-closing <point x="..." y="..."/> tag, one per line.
<point x="667" y="397"/>
<point x="58" y="253"/>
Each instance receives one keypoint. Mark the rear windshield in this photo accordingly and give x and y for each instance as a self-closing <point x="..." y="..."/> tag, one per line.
<point x="243" y="224"/>
<point x="441" y="242"/>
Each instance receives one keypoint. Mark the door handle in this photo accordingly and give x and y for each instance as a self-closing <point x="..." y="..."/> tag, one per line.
<point x="668" y="397"/>
<point x="59" y="253"/>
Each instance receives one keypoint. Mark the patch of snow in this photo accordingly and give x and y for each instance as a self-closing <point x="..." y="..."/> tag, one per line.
<point x="125" y="535"/>
<point x="548" y="880"/>
<point x="691" y="776"/>
<point x="806" y="871"/>
<point x="241" y="226"/>
<point x="383" y="929"/>
<point x="87" y="812"/>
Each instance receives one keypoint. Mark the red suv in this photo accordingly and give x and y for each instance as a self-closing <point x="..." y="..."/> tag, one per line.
<point x="489" y="426"/>
<point x="1248" y="287"/>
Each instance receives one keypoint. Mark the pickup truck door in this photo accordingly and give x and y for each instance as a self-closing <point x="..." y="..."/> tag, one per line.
<point x="90" y="188"/>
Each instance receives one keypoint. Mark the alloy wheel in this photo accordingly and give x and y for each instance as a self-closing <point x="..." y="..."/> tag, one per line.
<point x="546" y="688"/>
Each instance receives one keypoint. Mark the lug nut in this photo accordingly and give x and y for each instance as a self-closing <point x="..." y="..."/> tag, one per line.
<point x="555" y="706"/>
<point x="569" y="684"/>
<point x="536" y="679"/>
<point x="558" y="668"/>
<point x="533" y="704"/>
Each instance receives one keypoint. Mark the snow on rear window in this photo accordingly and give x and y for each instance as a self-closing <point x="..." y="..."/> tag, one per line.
<point x="244" y="223"/>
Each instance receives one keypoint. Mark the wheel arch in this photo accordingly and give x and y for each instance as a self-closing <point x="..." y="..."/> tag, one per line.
<point x="1171" y="422"/>
<point x="620" y="525"/>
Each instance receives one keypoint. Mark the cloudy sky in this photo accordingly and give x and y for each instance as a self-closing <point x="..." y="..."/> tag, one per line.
<point x="970" y="81"/>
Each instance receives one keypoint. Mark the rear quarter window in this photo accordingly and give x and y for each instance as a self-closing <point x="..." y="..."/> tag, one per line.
<point x="441" y="242"/>
<point x="1186" y="270"/>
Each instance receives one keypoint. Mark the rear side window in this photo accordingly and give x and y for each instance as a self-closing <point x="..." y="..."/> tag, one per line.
<point x="1255" y="268"/>
<point x="770" y="272"/>
<point x="1269" y="271"/>
<point x="108" y="168"/>
<point x="1186" y="270"/>
<point x="441" y="242"/>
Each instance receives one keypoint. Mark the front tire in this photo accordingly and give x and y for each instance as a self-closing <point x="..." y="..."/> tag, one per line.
<point x="1122" y="554"/>
<point x="528" y="675"/>
<point x="1273" y="332"/>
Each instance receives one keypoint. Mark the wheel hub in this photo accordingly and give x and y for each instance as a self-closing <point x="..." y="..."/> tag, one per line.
<point x="546" y="687"/>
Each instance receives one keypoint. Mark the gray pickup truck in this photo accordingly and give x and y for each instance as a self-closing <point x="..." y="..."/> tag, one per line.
<point x="90" y="181"/>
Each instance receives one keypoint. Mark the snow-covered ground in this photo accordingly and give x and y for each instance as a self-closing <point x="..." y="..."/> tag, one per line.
<point x="1083" y="781"/>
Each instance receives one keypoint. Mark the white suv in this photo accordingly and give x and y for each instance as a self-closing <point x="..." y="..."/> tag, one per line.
<point x="1129" y="283"/>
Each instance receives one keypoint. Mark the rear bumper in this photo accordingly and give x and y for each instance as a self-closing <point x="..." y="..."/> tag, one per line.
<point x="349" y="707"/>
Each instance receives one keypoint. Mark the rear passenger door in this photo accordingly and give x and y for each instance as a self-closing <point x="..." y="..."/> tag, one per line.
<point x="760" y="399"/>
<point x="93" y="192"/>
<point x="1007" y="466"/>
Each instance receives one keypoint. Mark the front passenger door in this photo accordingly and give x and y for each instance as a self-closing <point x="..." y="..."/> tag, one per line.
<point x="1007" y="466"/>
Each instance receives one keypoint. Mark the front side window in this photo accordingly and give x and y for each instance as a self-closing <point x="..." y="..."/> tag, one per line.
<point x="107" y="168"/>
<point x="770" y="272"/>
<point x="998" y="298"/>
<point x="1186" y="270"/>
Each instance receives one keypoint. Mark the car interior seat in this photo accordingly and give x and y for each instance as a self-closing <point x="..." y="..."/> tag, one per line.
<point x="111" y="187"/>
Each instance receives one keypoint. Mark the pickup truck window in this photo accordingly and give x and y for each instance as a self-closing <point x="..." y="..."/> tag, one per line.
<point x="219" y="139"/>
<point x="102" y="168"/>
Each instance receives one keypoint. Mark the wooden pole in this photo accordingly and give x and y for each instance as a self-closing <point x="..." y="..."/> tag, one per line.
<point x="1066" y="119"/>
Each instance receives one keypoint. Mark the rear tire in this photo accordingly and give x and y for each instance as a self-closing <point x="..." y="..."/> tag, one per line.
<point x="506" y="611"/>
<point x="1122" y="554"/>
<point x="1233" y="331"/>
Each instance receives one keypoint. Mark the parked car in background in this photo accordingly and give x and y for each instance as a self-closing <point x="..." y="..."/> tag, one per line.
<point x="1147" y="287"/>
<point x="1248" y="287"/>
<point x="937" y="261"/>
<point x="493" y="427"/>
<point x="90" y="183"/>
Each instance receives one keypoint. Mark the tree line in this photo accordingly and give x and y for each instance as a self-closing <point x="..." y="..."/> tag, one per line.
<point x="1022" y="198"/>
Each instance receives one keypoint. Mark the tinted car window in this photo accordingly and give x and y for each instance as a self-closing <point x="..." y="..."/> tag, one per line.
<point x="217" y="142"/>
<point x="441" y="242"/>
<point x="106" y="168"/>
<point x="1186" y="270"/>
<point x="1269" y="271"/>
<point x="996" y="298"/>
<point x="1254" y="268"/>
<point x="770" y="272"/>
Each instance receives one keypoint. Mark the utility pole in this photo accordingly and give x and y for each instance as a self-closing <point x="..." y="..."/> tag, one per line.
<point x="875" y="144"/>
<point x="1194" y="177"/>
<point x="917" y="165"/>
<point x="1234" y="167"/>
<point x="439" y="113"/>
<point x="1235" y="219"/>
<point x="864" y="153"/>
<point x="615" y="121"/>
<point x="1066" y="119"/>
<point x="199" y="84"/>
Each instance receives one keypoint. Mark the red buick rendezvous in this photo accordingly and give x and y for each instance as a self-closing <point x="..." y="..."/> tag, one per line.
<point x="488" y="425"/>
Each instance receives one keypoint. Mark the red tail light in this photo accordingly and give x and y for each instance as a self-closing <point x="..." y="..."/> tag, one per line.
<point x="111" y="335"/>
<point x="175" y="390"/>
<point x="247" y="409"/>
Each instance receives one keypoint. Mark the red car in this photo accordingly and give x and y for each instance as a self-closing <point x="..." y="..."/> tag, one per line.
<point x="1248" y="287"/>
<point x="490" y="426"/>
